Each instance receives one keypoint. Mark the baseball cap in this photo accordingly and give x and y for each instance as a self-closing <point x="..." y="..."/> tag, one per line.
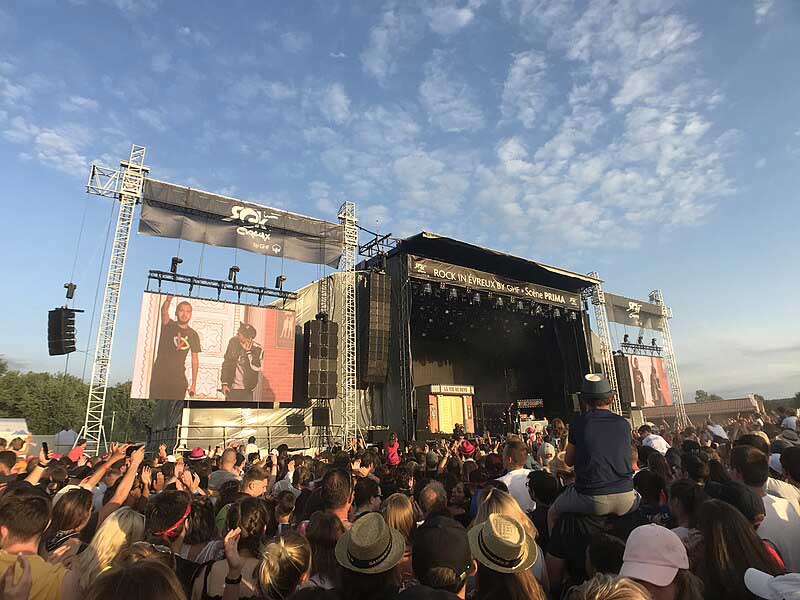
<point x="247" y="330"/>
<point x="763" y="585"/>
<point x="547" y="450"/>
<point x="654" y="554"/>
<point x="441" y="542"/>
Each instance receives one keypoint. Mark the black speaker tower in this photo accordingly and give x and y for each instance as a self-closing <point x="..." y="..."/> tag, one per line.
<point x="375" y="327"/>
<point x="322" y="345"/>
<point x="61" y="331"/>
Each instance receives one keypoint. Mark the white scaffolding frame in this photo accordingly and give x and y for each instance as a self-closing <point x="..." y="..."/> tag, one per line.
<point x="657" y="297"/>
<point x="349" y="395"/>
<point x="607" y="361"/>
<point x="126" y="185"/>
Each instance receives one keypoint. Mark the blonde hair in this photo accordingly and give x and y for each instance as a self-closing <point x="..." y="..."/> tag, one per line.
<point x="608" y="587"/>
<point x="500" y="502"/>
<point x="120" y="530"/>
<point x="399" y="514"/>
<point x="283" y="564"/>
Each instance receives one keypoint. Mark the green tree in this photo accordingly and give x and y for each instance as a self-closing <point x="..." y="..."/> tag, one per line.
<point x="704" y="396"/>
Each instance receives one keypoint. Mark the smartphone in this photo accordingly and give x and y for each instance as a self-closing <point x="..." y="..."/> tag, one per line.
<point x="46" y="450"/>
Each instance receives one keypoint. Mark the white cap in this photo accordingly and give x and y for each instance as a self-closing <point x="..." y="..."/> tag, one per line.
<point x="64" y="490"/>
<point x="171" y="458"/>
<point x="775" y="463"/>
<point x="783" y="587"/>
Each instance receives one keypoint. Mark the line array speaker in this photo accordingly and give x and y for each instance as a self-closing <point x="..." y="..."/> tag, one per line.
<point x="322" y="345"/>
<point x="61" y="331"/>
<point x="320" y="416"/>
<point x="375" y="330"/>
<point x="624" y="383"/>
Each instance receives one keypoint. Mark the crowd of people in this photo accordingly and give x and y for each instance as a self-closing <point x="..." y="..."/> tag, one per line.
<point x="588" y="511"/>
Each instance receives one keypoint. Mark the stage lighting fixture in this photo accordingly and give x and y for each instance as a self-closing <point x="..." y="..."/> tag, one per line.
<point x="476" y="299"/>
<point x="427" y="289"/>
<point x="279" y="281"/>
<point x="173" y="267"/>
<point x="232" y="273"/>
<point x="653" y="342"/>
<point x="573" y="316"/>
<point x="70" y="287"/>
<point x="453" y="295"/>
<point x="498" y="303"/>
<point x="520" y="305"/>
<point x="556" y="313"/>
<point x="539" y="309"/>
<point x="626" y="339"/>
<point x="640" y="341"/>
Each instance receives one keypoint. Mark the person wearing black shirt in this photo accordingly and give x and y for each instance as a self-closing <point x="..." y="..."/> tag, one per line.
<point x="241" y="365"/>
<point x="175" y="341"/>
<point x="599" y="448"/>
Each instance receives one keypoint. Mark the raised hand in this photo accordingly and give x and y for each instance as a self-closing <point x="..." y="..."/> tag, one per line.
<point x="231" y="544"/>
<point x="147" y="476"/>
<point x="137" y="457"/>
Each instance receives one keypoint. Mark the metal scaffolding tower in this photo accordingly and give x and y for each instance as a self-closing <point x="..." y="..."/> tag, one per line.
<point x="599" y="301"/>
<point x="126" y="185"/>
<point x="657" y="297"/>
<point x="347" y="217"/>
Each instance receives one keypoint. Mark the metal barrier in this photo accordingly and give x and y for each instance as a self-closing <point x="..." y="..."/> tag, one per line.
<point x="297" y="437"/>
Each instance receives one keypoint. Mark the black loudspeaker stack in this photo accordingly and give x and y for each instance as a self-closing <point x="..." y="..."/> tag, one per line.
<point x="374" y="347"/>
<point x="320" y="416"/>
<point x="61" y="331"/>
<point x="322" y="343"/>
<point x="624" y="383"/>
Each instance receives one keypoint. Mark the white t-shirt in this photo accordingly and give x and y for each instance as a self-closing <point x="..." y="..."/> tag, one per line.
<point x="657" y="442"/>
<point x="789" y="423"/>
<point x="517" y="483"/>
<point x="781" y="489"/>
<point x="781" y="526"/>
<point x="250" y="449"/>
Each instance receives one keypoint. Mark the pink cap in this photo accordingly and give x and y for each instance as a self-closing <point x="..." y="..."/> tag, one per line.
<point x="653" y="554"/>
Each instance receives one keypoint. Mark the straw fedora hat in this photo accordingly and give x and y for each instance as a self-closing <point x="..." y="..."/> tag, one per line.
<point x="501" y="544"/>
<point x="370" y="546"/>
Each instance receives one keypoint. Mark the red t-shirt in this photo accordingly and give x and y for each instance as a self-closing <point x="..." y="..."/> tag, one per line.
<point x="392" y="457"/>
<point x="75" y="453"/>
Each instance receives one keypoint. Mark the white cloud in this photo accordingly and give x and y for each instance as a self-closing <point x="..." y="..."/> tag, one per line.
<point x="763" y="9"/>
<point x="525" y="89"/>
<point x="277" y="90"/>
<point x="447" y="17"/>
<point x="322" y="196"/>
<point x="391" y="37"/>
<point x="335" y="104"/>
<point x="62" y="149"/>
<point x="450" y="103"/>
<point x="295" y="41"/>
<point x="79" y="103"/>
<point x="192" y="36"/>
<point x="337" y="54"/>
<point x="152" y="117"/>
<point x="161" y="61"/>
<point x="761" y="163"/>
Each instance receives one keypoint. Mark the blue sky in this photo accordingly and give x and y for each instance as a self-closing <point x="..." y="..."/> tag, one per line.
<point x="655" y="141"/>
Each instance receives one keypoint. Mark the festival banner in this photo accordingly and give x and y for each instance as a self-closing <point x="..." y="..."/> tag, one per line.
<point x="175" y="211"/>
<point x="635" y="313"/>
<point x="198" y="349"/>
<point x="480" y="281"/>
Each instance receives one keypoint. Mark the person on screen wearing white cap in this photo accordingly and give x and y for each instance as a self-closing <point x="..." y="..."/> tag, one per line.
<point x="770" y="587"/>
<point x="176" y="340"/>
<point x="656" y="558"/>
<point x="599" y="449"/>
<point x="241" y="365"/>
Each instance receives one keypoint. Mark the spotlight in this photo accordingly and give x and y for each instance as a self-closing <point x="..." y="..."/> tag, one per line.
<point x="427" y="289"/>
<point x="520" y="306"/>
<point x="653" y="342"/>
<point x="573" y="316"/>
<point x="70" y="287"/>
<point x="539" y="310"/>
<point x="640" y="341"/>
<point x="453" y="296"/>
<point x="476" y="299"/>
<point x="232" y="273"/>
<point x="498" y="303"/>
<point x="626" y="339"/>
<point x="173" y="268"/>
<point x="279" y="281"/>
<point x="556" y="313"/>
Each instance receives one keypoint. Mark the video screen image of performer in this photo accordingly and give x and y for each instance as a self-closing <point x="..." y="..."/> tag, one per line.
<point x="175" y="341"/>
<point x="241" y="366"/>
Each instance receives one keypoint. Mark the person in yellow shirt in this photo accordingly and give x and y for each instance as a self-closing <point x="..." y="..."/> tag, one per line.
<point x="23" y="520"/>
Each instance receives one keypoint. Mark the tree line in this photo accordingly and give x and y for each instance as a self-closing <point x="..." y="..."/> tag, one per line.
<point x="51" y="402"/>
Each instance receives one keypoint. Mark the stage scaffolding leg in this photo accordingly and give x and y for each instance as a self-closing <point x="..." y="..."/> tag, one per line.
<point x="130" y="191"/>
<point x="347" y="217"/>
<point x="599" y="301"/>
<point x="657" y="297"/>
<point x="404" y="330"/>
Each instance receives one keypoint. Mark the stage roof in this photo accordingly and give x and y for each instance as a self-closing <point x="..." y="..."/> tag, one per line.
<point x="431" y="245"/>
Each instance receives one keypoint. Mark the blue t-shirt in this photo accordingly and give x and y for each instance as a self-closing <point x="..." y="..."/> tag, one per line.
<point x="602" y="441"/>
